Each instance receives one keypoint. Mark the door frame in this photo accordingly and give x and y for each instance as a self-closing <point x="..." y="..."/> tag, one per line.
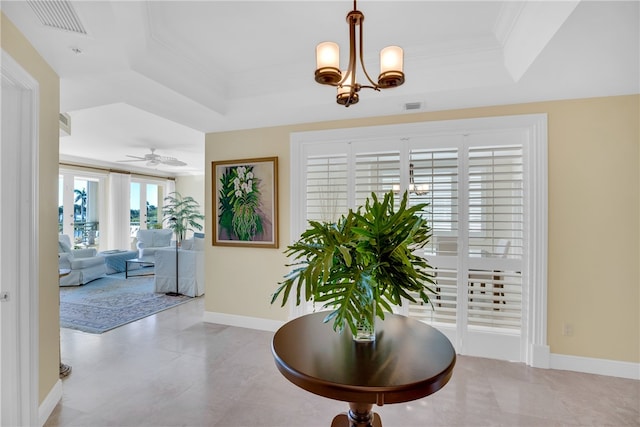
<point x="534" y="350"/>
<point x="19" y="262"/>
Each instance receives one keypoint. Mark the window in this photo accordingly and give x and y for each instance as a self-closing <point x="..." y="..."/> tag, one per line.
<point x="79" y="207"/>
<point x="145" y="205"/>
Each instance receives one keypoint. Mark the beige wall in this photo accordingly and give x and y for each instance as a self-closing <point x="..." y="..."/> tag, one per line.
<point x="594" y="192"/>
<point x="19" y="48"/>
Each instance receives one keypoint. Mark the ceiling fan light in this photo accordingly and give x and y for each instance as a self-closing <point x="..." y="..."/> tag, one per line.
<point x="391" y="65"/>
<point x="328" y="63"/>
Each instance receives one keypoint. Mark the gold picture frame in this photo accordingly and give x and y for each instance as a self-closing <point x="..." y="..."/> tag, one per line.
<point x="245" y="202"/>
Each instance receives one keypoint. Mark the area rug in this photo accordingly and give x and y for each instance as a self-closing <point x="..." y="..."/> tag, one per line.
<point x="112" y="301"/>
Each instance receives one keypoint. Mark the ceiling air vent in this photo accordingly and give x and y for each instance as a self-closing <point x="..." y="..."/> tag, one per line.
<point x="65" y="124"/>
<point x="413" y="106"/>
<point x="58" y="14"/>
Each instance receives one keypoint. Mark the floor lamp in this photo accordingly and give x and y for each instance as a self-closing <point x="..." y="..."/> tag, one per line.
<point x="176" y="293"/>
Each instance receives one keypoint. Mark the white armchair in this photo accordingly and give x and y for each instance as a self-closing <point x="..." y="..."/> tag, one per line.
<point x="190" y="268"/>
<point x="85" y="266"/>
<point x="151" y="240"/>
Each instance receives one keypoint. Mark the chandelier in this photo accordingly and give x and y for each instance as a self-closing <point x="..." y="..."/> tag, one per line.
<point x="417" y="189"/>
<point x="328" y="64"/>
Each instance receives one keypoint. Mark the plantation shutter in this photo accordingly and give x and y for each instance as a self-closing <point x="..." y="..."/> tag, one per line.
<point x="377" y="172"/>
<point x="326" y="187"/>
<point x="496" y="230"/>
<point x="435" y="172"/>
<point x="483" y="182"/>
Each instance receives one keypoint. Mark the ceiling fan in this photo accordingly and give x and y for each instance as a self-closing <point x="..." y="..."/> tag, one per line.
<point x="154" y="159"/>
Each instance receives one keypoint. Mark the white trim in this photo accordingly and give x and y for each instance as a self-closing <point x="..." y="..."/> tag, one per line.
<point x="540" y="355"/>
<point x="242" y="321"/>
<point x="49" y="403"/>
<point x="537" y="352"/>
<point x="612" y="368"/>
<point x="20" y="265"/>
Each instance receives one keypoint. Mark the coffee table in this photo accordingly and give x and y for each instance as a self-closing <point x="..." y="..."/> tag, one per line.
<point x="407" y="361"/>
<point x="115" y="260"/>
<point x="142" y="263"/>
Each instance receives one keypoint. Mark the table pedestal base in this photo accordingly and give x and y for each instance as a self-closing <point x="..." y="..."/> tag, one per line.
<point x="359" y="415"/>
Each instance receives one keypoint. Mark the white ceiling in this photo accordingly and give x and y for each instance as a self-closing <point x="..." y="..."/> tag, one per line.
<point x="161" y="74"/>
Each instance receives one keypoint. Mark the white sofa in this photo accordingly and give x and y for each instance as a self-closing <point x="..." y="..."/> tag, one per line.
<point x="190" y="268"/>
<point x="151" y="240"/>
<point x="85" y="266"/>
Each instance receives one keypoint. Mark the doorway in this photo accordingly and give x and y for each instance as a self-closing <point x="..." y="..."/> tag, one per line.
<point x="484" y="182"/>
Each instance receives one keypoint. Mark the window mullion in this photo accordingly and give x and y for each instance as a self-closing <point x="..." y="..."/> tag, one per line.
<point x="463" y="239"/>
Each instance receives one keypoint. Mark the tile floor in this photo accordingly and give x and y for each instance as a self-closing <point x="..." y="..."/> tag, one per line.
<point x="172" y="369"/>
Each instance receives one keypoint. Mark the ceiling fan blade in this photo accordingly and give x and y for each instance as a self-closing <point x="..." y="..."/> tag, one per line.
<point x="136" y="157"/>
<point x="173" y="162"/>
<point x="125" y="161"/>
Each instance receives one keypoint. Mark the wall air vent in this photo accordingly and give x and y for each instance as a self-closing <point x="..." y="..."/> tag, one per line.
<point x="413" y="106"/>
<point x="65" y="124"/>
<point x="58" y="14"/>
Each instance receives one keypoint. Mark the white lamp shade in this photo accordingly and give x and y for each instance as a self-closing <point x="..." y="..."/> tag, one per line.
<point x="345" y="88"/>
<point x="327" y="55"/>
<point x="391" y="59"/>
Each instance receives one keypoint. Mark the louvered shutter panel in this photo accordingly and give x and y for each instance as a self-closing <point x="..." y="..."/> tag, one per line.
<point x="496" y="229"/>
<point x="434" y="174"/>
<point x="326" y="187"/>
<point x="377" y="172"/>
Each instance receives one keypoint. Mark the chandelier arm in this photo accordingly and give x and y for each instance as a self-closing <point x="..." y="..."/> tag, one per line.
<point x="351" y="68"/>
<point x="364" y="69"/>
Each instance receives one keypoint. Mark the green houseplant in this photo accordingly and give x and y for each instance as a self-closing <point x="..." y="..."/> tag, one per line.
<point x="182" y="214"/>
<point x="362" y="265"/>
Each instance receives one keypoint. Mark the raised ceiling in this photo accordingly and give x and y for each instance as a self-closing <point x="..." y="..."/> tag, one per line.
<point x="160" y="74"/>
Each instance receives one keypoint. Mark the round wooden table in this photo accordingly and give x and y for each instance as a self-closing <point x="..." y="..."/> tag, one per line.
<point x="407" y="361"/>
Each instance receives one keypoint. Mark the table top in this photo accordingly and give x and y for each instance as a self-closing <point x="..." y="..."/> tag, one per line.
<point x="407" y="361"/>
<point x="141" y="260"/>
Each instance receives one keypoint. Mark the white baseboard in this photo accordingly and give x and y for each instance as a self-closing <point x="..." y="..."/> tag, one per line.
<point x="242" y="321"/>
<point x="541" y="357"/>
<point x="612" y="368"/>
<point x="49" y="403"/>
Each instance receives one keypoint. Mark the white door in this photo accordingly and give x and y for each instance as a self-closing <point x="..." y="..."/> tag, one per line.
<point x="146" y="204"/>
<point x="478" y="179"/>
<point x="18" y="248"/>
<point x="474" y="186"/>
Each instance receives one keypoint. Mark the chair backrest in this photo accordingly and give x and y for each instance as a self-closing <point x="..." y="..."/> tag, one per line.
<point x="64" y="243"/>
<point x="502" y="248"/>
<point x="155" y="238"/>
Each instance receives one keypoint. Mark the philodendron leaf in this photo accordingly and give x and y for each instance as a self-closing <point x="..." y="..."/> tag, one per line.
<point x="346" y="255"/>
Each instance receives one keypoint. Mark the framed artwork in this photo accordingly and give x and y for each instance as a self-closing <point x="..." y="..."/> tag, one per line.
<point x="245" y="202"/>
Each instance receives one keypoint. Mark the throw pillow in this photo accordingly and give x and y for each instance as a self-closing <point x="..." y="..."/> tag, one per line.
<point x="198" y="244"/>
